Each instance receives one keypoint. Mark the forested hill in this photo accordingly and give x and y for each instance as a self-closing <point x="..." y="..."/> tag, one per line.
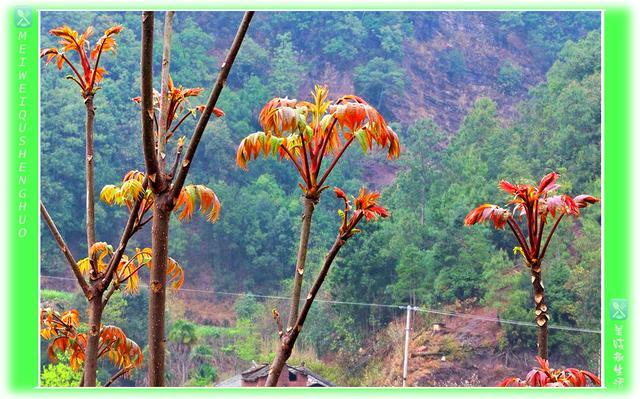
<point x="474" y="96"/>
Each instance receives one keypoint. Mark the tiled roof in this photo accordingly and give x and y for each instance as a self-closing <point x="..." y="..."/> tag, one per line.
<point x="262" y="370"/>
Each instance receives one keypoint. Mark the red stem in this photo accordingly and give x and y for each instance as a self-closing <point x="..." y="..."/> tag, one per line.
<point x="306" y="180"/>
<point x="335" y="160"/>
<point x="553" y="230"/>
<point x="73" y="68"/>
<point x="305" y="160"/>
<point x="519" y="236"/>
<point x="180" y="121"/>
<point x="325" y="140"/>
<point x="95" y="67"/>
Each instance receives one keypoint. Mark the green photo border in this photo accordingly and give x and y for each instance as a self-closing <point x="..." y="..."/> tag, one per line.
<point x="23" y="164"/>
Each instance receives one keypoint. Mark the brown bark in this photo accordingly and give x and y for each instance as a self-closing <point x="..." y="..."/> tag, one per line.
<point x="117" y="375"/>
<point x="164" y="89"/>
<point x="93" y="337"/>
<point x="89" y="180"/>
<point x="290" y="336"/>
<point x="308" y="205"/>
<point x="542" y="318"/>
<point x="146" y="93"/>
<point x="157" y="290"/>
<point x="164" y="199"/>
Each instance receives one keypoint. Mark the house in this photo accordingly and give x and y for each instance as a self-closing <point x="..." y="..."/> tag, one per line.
<point x="291" y="376"/>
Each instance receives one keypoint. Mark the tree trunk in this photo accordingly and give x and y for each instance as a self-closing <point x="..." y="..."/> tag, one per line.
<point x="93" y="338"/>
<point x="290" y="336"/>
<point x="89" y="190"/>
<point x="157" y="289"/>
<point x="542" y="319"/>
<point x="308" y="205"/>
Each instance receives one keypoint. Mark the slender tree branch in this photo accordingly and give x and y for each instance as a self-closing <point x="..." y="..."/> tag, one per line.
<point x="89" y="180"/>
<point x="519" y="236"/>
<point x="115" y="285"/>
<point x="289" y="338"/>
<point x="147" y="113"/>
<point x="127" y="233"/>
<point x="278" y="319"/>
<point x="308" y="205"/>
<point x="184" y="117"/>
<point x="211" y="103"/>
<point x="143" y="223"/>
<point x="174" y="168"/>
<point x="112" y="288"/>
<point x="95" y="67"/>
<point x="73" y="68"/>
<point x="349" y="232"/>
<point x="140" y="266"/>
<point x="325" y="140"/>
<point x="532" y="226"/>
<point x="77" y="82"/>
<point x="331" y="255"/>
<point x="539" y="238"/>
<point x="529" y="222"/>
<point x="335" y="161"/>
<point x="296" y="164"/>
<point x="305" y="160"/>
<point x="164" y="87"/>
<point x="65" y="251"/>
<point x="553" y="230"/>
<point x="117" y="375"/>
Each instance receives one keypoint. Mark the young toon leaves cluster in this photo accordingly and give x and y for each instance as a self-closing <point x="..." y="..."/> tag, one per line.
<point x="178" y="108"/>
<point x="305" y="132"/>
<point x="534" y="206"/>
<point x="545" y="376"/>
<point x="133" y="188"/>
<point x="366" y="206"/>
<point x="128" y="268"/>
<point x="98" y="282"/>
<point x="62" y="330"/>
<point x="91" y="73"/>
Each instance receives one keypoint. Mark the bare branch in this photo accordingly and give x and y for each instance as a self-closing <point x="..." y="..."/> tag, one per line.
<point x="335" y="161"/>
<point x="276" y="317"/>
<point x="296" y="164"/>
<point x="89" y="178"/>
<point x="112" y="288"/>
<point x="117" y="375"/>
<point x="143" y="223"/>
<point x="553" y="230"/>
<point x="65" y="251"/>
<point x="323" y="146"/>
<point x="95" y="66"/>
<point x="174" y="168"/>
<point x="305" y="158"/>
<point x="519" y="236"/>
<point x="146" y="89"/>
<point x="73" y="68"/>
<point x="211" y="103"/>
<point x="164" y="87"/>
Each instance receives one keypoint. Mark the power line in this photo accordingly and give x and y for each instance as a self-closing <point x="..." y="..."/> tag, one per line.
<point x="378" y="305"/>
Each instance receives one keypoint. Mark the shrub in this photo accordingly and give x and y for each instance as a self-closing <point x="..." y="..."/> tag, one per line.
<point x="509" y="78"/>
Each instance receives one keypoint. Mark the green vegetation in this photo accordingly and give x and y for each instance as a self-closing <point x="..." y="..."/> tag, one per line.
<point x="451" y="62"/>
<point x="509" y="78"/>
<point x="422" y="254"/>
<point x="60" y="375"/>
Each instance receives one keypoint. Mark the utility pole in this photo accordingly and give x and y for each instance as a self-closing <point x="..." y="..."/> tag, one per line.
<point x="407" y="330"/>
